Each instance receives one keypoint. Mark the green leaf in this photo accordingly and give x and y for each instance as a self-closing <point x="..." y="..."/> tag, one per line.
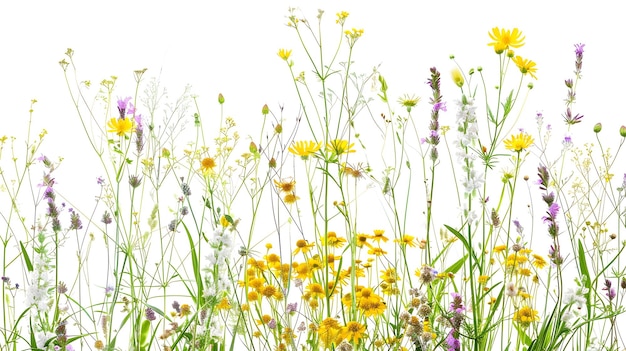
<point x="27" y="261"/>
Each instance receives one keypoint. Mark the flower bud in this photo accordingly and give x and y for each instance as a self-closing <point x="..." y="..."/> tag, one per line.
<point x="265" y="110"/>
<point x="457" y="77"/>
<point x="272" y="163"/>
<point x="220" y="98"/>
<point x="253" y="148"/>
<point x="622" y="131"/>
<point x="278" y="129"/>
<point x="597" y="128"/>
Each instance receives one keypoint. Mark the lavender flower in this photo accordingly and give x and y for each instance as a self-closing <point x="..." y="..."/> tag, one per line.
<point x="610" y="291"/>
<point x="150" y="315"/>
<point x="292" y="307"/>
<point x="579" y="50"/>
<point x="122" y="104"/>
<point x="75" y="222"/>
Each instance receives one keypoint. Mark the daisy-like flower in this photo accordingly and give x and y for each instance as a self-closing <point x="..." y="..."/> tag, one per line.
<point x="332" y="240"/>
<point x="286" y="186"/>
<point x="120" y="126"/>
<point x="539" y="261"/>
<point x="526" y="66"/>
<point x="353" y="332"/>
<point x="504" y="39"/>
<point x="207" y="164"/>
<point x="284" y="54"/>
<point x="339" y="147"/>
<point x="316" y="291"/>
<point x="302" y="246"/>
<point x="304" y="148"/>
<point x="526" y="315"/>
<point x="519" y="142"/>
<point x="406" y="240"/>
<point x="379" y="234"/>
<point x="409" y="101"/>
<point x="291" y="198"/>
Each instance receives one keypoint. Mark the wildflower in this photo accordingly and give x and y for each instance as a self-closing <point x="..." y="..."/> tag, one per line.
<point x="361" y="240"/>
<point x="406" y="240"/>
<point x="304" y="148"/>
<point x="539" y="261"/>
<point x="525" y="66"/>
<point x="122" y="105"/>
<point x="341" y="17"/>
<point x="207" y="164"/>
<point x="579" y="49"/>
<point x="483" y="279"/>
<point x="134" y="181"/>
<point x="622" y="131"/>
<point x="99" y="345"/>
<point x="571" y="120"/>
<point x="328" y="332"/>
<point x="457" y="77"/>
<point x="284" y="54"/>
<point x="150" y="315"/>
<point x="290" y="199"/>
<point x="511" y="289"/>
<point x="610" y="291"/>
<point x="339" y="147"/>
<point x="519" y="142"/>
<point x="379" y="235"/>
<point x="525" y="315"/>
<point x="220" y="99"/>
<point x="286" y="186"/>
<point x="292" y="307"/>
<point x="353" y="35"/>
<point x="353" y="332"/>
<point x="504" y="39"/>
<point x="427" y="274"/>
<point x="315" y="290"/>
<point x="302" y="246"/>
<point x="121" y="126"/>
<point x="409" y="101"/>
<point x="332" y="240"/>
<point x="185" y="310"/>
<point x="499" y="248"/>
<point x="377" y="251"/>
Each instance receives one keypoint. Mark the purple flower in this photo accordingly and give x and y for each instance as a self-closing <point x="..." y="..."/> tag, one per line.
<point x="150" y="315"/>
<point x="100" y="181"/>
<point x="610" y="291"/>
<point x="292" y="307"/>
<point x="122" y="104"/>
<point x="440" y="106"/>
<point x="580" y="49"/>
<point x="272" y="324"/>
<point x="176" y="306"/>
<point x="108" y="290"/>
<point x="553" y="210"/>
<point x="453" y="343"/>
<point x="518" y="226"/>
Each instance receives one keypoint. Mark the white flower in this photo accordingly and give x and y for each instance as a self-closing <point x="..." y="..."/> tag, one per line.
<point x="511" y="289"/>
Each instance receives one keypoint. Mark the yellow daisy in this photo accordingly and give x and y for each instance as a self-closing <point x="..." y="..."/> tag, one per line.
<point x="525" y="66"/>
<point x="304" y="148"/>
<point x="284" y="54"/>
<point x="519" y="142"/>
<point x="504" y="39"/>
<point x="120" y="126"/>
<point x="339" y="147"/>
<point x="207" y="164"/>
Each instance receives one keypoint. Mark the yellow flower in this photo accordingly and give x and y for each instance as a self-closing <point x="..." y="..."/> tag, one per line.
<point x="377" y="251"/>
<point x="291" y="198"/>
<point x="304" y="148"/>
<point x="505" y="38"/>
<point x="185" y="310"/>
<point x="539" y="261"/>
<point x="328" y="332"/>
<point x="302" y="246"/>
<point x="224" y="304"/>
<point x="499" y="248"/>
<point x="379" y="235"/>
<point x="525" y="66"/>
<point x="406" y="240"/>
<point x="284" y="54"/>
<point x="519" y="142"/>
<point x="332" y="240"/>
<point x="315" y="290"/>
<point x="207" y="164"/>
<point x="286" y="186"/>
<point x="353" y="332"/>
<point x="457" y="77"/>
<point x="120" y="126"/>
<point x="339" y="147"/>
<point x="341" y="17"/>
<point x="525" y="316"/>
<point x="390" y="276"/>
<point x="483" y="279"/>
<point x="99" y="345"/>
